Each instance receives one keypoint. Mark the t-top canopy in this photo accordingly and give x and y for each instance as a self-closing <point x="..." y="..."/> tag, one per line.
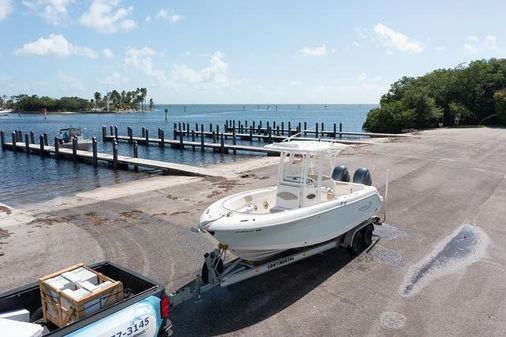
<point x="306" y="146"/>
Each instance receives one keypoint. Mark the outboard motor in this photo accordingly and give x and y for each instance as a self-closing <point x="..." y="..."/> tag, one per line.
<point x="362" y="176"/>
<point x="340" y="173"/>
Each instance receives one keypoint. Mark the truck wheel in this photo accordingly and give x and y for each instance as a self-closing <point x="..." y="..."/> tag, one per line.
<point x="357" y="244"/>
<point x="205" y="271"/>
<point x="367" y="234"/>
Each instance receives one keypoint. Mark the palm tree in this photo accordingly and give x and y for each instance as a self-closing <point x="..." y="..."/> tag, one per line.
<point x="98" y="98"/>
<point x="144" y="93"/>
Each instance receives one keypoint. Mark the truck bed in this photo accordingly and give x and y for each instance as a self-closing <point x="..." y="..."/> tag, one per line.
<point x="135" y="286"/>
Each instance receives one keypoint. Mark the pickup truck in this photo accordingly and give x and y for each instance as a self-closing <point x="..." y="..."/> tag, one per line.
<point x="143" y="311"/>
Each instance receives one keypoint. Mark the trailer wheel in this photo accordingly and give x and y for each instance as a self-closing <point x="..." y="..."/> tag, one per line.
<point x="205" y="271"/>
<point x="357" y="244"/>
<point x="368" y="234"/>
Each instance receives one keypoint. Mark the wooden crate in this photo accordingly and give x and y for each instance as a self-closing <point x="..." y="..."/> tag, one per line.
<point x="61" y="309"/>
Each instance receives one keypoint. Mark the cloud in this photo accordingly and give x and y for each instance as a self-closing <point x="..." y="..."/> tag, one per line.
<point x="142" y="59"/>
<point x="5" y="9"/>
<point x="168" y="15"/>
<point x="215" y="74"/>
<point x="490" y="42"/>
<point x="475" y="45"/>
<point x="69" y="84"/>
<point x="440" y="49"/>
<point x="393" y="40"/>
<point x="105" y="16"/>
<point x="212" y="76"/>
<point x="317" y="51"/>
<point x="55" y="45"/>
<point x="115" y="79"/>
<point x="53" y="11"/>
<point x="108" y="53"/>
<point x="355" y="44"/>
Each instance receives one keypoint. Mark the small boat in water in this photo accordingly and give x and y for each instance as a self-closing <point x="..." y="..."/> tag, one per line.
<point x="68" y="134"/>
<point x="5" y="112"/>
<point x="313" y="202"/>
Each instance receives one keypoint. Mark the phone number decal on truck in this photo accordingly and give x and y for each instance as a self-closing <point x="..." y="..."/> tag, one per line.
<point x="135" y="329"/>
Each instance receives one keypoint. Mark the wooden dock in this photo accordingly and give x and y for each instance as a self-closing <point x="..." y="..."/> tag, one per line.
<point x="93" y="157"/>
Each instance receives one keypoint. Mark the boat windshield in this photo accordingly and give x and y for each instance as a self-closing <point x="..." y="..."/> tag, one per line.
<point x="292" y="167"/>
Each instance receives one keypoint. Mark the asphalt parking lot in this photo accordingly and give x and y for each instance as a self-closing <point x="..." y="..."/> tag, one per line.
<point x="438" y="269"/>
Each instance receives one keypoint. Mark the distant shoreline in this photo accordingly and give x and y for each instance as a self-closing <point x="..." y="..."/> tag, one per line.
<point x="76" y="112"/>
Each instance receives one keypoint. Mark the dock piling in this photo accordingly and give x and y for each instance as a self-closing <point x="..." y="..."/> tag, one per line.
<point x="136" y="154"/>
<point x="234" y="140"/>
<point x="162" y="137"/>
<point x="114" y="154"/>
<point x="27" y="143"/>
<point x="222" y="141"/>
<point x="94" y="149"/>
<point x="340" y="130"/>
<point x="74" y="149"/>
<point x="146" y="130"/>
<point x="41" y="144"/>
<point x="201" y="138"/>
<point x="193" y="140"/>
<point x="130" y="135"/>
<point x="14" y="136"/>
<point x="2" y="140"/>
<point x="116" y="132"/>
<point x="181" y="143"/>
<point x="56" y="147"/>
<point x="45" y="139"/>
<point x="104" y="133"/>
<point x="32" y="137"/>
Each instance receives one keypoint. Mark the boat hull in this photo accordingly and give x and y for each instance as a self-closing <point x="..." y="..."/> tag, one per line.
<point x="290" y="229"/>
<point x="81" y="145"/>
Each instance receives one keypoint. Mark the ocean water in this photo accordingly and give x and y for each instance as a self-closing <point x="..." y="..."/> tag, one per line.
<point x="26" y="179"/>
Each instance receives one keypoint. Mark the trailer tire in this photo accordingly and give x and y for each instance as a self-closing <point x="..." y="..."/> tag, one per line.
<point x="205" y="271"/>
<point x="358" y="243"/>
<point x="367" y="235"/>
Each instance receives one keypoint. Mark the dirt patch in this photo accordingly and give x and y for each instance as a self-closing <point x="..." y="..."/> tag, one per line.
<point x="5" y="210"/>
<point x="4" y="234"/>
<point x="215" y="193"/>
<point x="159" y="214"/>
<point x="179" y="212"/>
<point x="131" y="214"/>
<point x="172" y="197"/>
<point x="49" y="221"/>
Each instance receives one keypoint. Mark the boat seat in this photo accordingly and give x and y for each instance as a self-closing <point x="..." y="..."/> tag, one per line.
<point x="277" y="209"/>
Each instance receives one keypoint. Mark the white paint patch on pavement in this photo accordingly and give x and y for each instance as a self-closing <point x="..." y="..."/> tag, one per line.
<point x="460" y="249"/>
<point x="393" y="320"/>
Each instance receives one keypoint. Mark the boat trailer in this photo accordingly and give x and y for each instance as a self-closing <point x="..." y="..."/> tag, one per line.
<point x="217" y="274"/>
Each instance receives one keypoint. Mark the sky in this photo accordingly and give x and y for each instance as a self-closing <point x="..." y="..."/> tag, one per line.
<point x="237" y="51"/>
